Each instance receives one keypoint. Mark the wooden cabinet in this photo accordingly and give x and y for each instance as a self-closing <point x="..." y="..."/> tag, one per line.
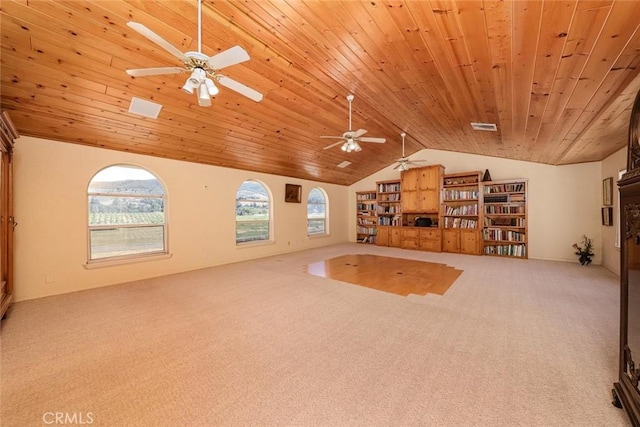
<point x="461" y="213"/>
<point x="389" y="236"/>
<point x="626" y="389"/>
<point x="366" y="220"/>
<point x="430" y="239"/>
<point x="470" y="241"/>
<point x="450" y="240"/>
<point x="505" y="218"/>
<point x="421" y="189"/>
<point x="410" y="238"/>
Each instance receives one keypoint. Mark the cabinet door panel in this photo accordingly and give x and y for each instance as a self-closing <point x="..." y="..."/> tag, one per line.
<point x="429" y="201"/>
<point x="451" y="240"/>
<point x="470" y="242"/>
<point x="382" y="239"/>
<point x="410" y="201"/>
<point x="409" y="180"/>
<point x="430" y="178"/>
<point x="395" y="237"/>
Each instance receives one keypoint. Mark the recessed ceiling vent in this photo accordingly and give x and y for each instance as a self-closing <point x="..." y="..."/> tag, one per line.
<point x="344" y="164"/>
<point x="484" y="126"/>
<point x="144" y="108"/>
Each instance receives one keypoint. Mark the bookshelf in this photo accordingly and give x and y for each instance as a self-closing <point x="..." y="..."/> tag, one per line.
<point x="505" y="218"/>
<point x="366" y="203"/>
<point x="462" y="213"/>
<point x="389" y="212"/>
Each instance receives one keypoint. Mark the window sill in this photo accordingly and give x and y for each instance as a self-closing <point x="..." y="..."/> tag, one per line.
<point x="254" y="243"/>
<point x="91" y="265"/>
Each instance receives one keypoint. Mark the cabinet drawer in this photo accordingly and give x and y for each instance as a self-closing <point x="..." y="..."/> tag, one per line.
<point x="430" y="233"/>
<point x="410" y="243"/>
<point x="430" y="245"/>
<point x="409" y="232"/>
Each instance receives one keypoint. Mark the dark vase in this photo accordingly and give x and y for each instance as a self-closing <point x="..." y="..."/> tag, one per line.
<point x="585" y="259"/>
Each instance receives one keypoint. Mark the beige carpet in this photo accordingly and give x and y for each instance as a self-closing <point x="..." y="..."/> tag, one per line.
<point x="511" y="343"/>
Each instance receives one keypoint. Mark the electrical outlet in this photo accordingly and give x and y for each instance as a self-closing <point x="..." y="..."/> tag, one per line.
<point x="50" y="278"/>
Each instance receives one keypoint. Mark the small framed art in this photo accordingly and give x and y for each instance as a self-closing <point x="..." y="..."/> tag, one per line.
<point x="292" y="193"/>
<point x="607" y="191"/>
<point x="607" y="216"/>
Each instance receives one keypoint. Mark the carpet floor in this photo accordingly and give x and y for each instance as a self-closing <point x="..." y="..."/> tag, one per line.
<point x="511" y="343"/>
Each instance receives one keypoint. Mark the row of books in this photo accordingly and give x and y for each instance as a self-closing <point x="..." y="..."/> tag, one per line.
<point x="368" y="239"/>
<point x="366" y="196"/>
<point x="502" y="234"/>
<point x="511" y="250"/>
<point x="363" y="221"/>
<point x="504" y="198"/>
<point x="504" y="222"/>
<point x="388" y="220"/>
<point x="367" y="230"/>
<point x="366" y="206"/>
<point x="461" y="194"/>
<point x="462" y="210"/>
<point x="393" y="197"/>
<point x="385" y="210"/>
<point x="460" y="223"/>
<point x="505" y="188"/>
<point x="388" y="188"/>
<point x="504" y="209"/>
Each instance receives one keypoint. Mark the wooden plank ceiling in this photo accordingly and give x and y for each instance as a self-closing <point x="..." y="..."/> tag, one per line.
<point x="557" y="77"/>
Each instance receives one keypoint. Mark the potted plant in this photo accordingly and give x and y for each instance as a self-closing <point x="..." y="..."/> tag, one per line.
<point x="584" y="250"/>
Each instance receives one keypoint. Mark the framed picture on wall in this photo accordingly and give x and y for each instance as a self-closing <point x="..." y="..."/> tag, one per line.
<point x="607" y="191"/>
<point x="607" y="216"/>
<point x="292" y="193"/>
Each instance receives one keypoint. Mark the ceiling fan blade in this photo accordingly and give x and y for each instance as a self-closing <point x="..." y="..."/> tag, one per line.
<point x="332" y="137"/>
<point x="358" y="133"/>
<point x="231" y="56"/>
<point x="141" y="72"/>
<point x="332" y="145"/>
<point x="370" y="139"/>
<point x="240" y="88"/>
<point x="157" y="40"/>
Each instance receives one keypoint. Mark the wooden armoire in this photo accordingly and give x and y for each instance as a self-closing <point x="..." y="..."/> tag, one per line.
<point x="626" y="393"/>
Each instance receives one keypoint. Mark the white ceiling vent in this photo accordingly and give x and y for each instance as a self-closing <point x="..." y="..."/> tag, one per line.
<point x="144" y="108"/>
<point x="484" y="126"/>
<point x="344" y="164"/>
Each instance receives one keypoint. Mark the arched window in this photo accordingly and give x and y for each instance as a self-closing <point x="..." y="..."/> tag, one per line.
<point x="316" y="212"/>
<point x="253" y="212"/>
<point x="126" y="213"/>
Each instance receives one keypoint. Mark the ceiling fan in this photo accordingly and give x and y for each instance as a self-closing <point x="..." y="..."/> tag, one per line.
<point x="350" y="137"/>
<point x="404" y="162"/>
<point x="203" y="69"/>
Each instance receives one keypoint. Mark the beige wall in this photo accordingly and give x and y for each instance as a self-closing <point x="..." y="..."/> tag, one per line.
<point x="564" y="201"/>
<point x="610" y="168"/>
<point x="51" y="181"/>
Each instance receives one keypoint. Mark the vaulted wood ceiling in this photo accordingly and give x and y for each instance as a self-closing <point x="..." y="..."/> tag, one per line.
<point x="558" y="78"/>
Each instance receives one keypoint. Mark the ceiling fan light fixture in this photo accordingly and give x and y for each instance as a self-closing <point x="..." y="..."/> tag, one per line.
<point x="196" y="78"/>
<point x="211" y="88"/>
<point x="204" y="100"/>
<point x="188" y="87"/>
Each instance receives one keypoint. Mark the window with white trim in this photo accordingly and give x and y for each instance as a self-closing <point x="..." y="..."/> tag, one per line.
<point x="253" y="212"/>
<point x="317" y="212"/>
<point x="126" y="213"/>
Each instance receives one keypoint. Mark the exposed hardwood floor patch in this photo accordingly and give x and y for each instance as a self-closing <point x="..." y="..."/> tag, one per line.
<point x="395" y="275"/>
